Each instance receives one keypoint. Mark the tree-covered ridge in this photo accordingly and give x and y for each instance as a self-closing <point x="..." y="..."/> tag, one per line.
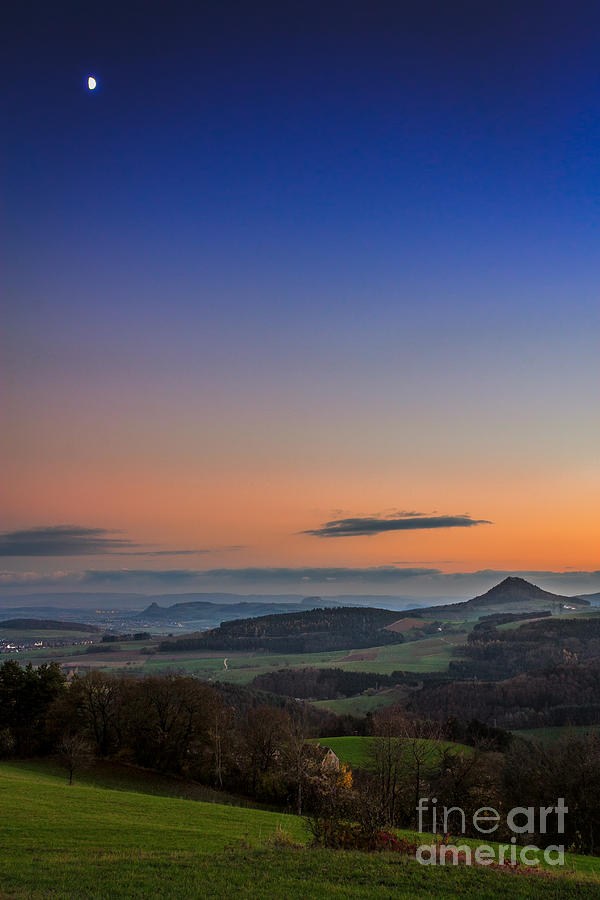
<point x="297" y="632"/>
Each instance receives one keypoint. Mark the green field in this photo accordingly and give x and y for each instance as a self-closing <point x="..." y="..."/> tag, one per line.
<point x="427" y="655"/>
<point x="554" y="734"/>
<point x="92" y="842"/>
<point x="354" y="750"/>
<point x="129" y="649"/>
<point x="361" y="704"/>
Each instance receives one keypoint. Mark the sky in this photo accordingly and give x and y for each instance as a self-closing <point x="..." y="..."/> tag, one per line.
<point x="302" y="297"/>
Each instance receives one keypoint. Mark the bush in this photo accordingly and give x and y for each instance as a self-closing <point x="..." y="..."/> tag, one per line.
<point x="341" y="835"/>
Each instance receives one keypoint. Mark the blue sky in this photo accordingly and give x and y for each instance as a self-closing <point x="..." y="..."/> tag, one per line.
<point x="290" y="259"/>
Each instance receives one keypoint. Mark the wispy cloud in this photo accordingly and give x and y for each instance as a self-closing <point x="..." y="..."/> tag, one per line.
<point x="370" y="525"/>
<point x="155" y="553"/>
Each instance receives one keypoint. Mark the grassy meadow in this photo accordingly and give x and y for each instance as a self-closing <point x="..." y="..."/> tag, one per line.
<point x="89" y="841"/>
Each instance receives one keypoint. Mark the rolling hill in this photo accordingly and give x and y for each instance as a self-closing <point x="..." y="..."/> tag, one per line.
<point x="94" y="842"/>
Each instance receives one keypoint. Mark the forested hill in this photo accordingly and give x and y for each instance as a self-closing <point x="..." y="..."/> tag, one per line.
<point x="511" y="595"/>
<point x="297" y="632"/>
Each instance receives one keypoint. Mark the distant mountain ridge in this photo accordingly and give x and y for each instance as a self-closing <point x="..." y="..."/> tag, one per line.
<point x="592" y="598"/>
<point x="197" y="610"/>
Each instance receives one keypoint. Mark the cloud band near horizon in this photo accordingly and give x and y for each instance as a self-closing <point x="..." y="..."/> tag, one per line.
<point x="294" y="577"/>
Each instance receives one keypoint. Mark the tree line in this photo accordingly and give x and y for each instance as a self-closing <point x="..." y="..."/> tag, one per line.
<point x="235" y="739"/>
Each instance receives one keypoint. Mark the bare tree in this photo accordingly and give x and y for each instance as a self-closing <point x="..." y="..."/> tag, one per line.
<point x="220" y="726"/>
<point x="296" y="754"/>
<point x="74" y="753"/>
<point x="402" y="757"/>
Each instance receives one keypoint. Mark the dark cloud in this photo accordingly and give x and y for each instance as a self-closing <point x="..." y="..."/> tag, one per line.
<point x="75" y="540"/>
<point x="366" y="526"/>
<point x="61" y="540"/>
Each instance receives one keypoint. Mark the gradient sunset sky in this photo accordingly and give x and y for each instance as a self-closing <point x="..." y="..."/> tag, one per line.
<point x="304" y="297"/>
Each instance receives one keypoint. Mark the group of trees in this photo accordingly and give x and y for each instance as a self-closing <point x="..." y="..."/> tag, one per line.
<point x="131" y="636"/>
<point x="537" y="774"/>
<point x="170" y="723"/>
<point x="26" y="697"/>
<point x="412" y="759"/>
